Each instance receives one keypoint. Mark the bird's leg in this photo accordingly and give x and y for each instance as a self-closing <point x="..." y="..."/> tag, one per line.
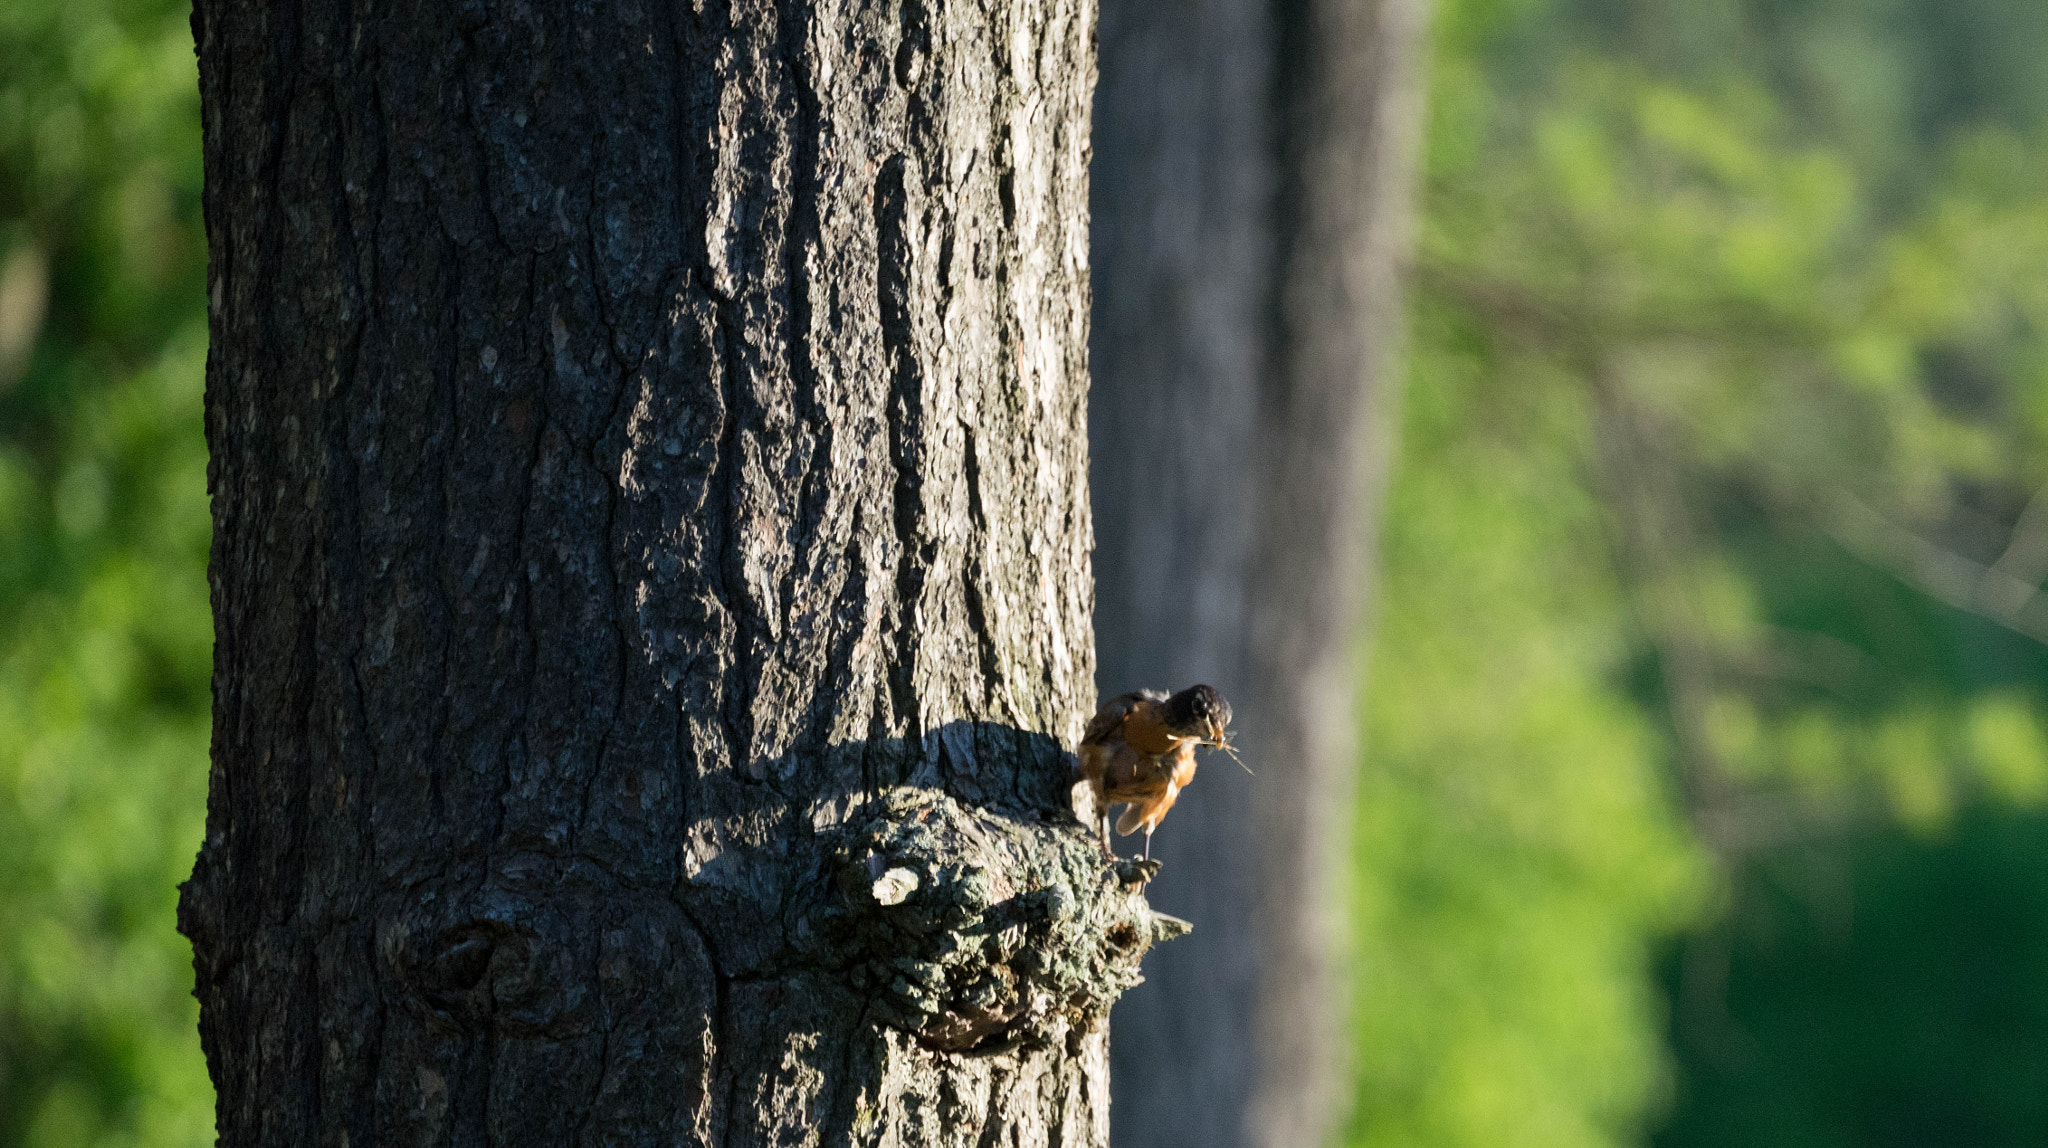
<point x="1148" y="845"/>
<point x="1106" y="850"/>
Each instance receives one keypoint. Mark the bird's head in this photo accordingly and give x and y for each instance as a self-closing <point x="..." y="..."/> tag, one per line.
<point x="1198" y="712"/>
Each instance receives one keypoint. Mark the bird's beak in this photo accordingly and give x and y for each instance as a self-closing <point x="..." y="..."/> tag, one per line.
<point x="1215" y="733"/>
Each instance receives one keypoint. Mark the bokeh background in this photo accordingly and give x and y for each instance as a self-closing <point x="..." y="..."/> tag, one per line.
<point x="1705" y="797"/>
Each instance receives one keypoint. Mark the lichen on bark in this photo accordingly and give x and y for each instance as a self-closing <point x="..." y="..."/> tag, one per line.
<point x="981" y="933"/>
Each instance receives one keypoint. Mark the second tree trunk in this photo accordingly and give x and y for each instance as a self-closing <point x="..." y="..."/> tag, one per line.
<point x="1253" y="176"/>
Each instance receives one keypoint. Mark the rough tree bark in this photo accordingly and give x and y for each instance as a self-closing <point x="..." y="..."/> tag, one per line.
<point x="651" y="575"/>
<point x="1252" y="186"/>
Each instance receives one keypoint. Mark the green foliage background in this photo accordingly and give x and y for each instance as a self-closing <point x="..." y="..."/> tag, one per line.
<point x="105" y="641"/>
<point x="1706" y="796"/>
<point x="1703" y="801"/>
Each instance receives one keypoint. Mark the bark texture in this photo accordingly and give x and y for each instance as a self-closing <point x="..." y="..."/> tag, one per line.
<point x="1252" y="189"/>
<point x="651" y="573"/>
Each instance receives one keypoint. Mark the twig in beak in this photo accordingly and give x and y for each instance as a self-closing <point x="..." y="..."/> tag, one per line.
<point x="1230" y="749"/>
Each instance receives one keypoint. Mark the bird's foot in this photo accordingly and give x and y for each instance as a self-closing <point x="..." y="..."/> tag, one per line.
<point x="1136" y="870"/>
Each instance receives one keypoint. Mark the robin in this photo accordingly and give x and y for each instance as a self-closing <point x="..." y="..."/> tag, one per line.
<point x="1139" y="752"/>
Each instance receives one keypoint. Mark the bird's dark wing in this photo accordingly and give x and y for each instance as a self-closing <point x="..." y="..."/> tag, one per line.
<point x="1110" y="718"/>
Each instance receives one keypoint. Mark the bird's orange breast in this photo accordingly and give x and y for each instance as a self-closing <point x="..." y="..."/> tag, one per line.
<point x="1145" y="731"/>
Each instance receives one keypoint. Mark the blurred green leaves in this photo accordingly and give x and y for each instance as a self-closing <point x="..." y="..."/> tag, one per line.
<point x="1714" y="549"/>
<point x="105" y="638"/>
<point x="1518" y="846"/>
<point x="1880" y="989"/>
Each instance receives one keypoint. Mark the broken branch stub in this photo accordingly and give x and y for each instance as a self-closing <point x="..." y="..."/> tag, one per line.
<point x="977" y="932"/>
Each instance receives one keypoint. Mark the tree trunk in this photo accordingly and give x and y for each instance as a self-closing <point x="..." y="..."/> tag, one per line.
<point x="1251" y="204"/>
<point x="651" y="576"/>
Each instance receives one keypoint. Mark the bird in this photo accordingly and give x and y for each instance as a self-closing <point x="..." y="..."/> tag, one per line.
<point x="1138" y="751"/>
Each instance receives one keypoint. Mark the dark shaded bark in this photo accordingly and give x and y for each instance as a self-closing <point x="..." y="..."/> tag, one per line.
<point x="651" y="576"/>
<point x="1251" y="201"/>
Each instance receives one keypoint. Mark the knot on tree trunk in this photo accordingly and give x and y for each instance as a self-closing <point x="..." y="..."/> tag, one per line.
<point x="977" y="932"/>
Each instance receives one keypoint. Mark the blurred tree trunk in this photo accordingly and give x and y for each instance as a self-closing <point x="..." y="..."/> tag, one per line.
<point x="651" y="576"/>
<point x="1253" y="177"/>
